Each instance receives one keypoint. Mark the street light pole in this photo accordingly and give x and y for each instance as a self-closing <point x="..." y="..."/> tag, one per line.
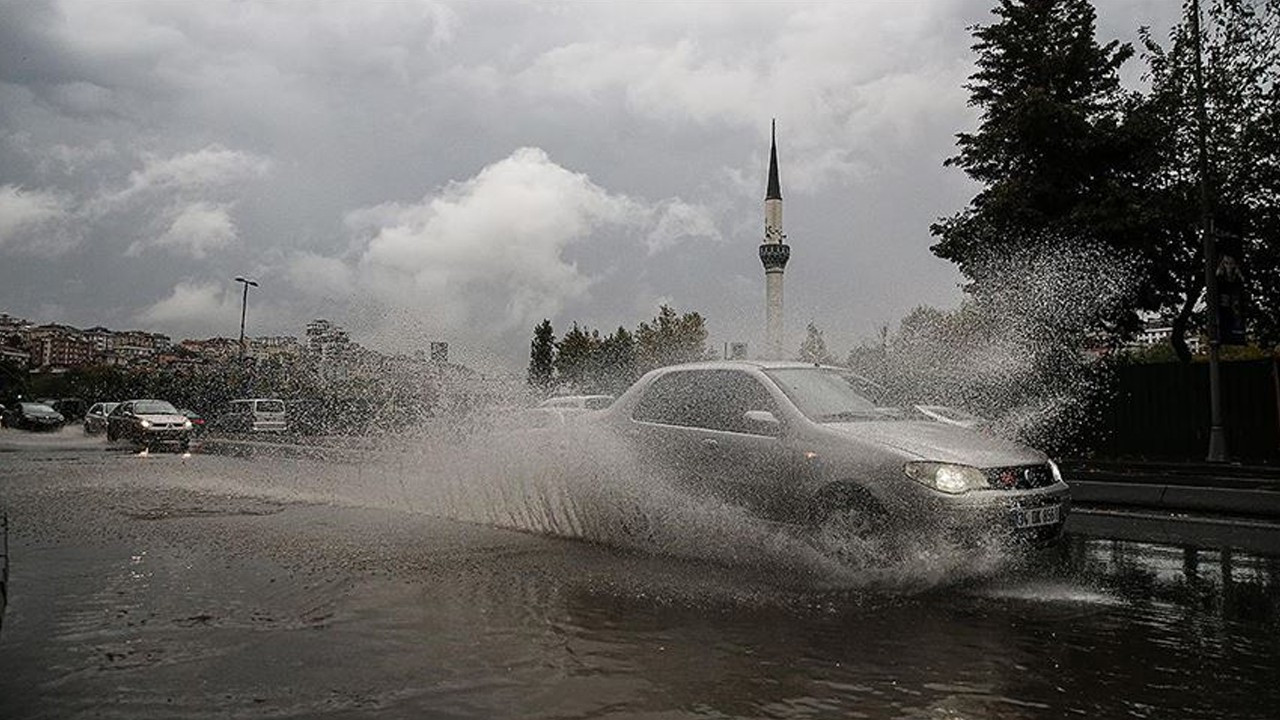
<point x="1217" y="437"/>
<point x="244" y="304"/>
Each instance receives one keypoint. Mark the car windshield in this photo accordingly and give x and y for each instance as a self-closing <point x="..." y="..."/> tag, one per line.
<point x="828" y="395"/>
<point x="154" y="407"/>
<point x="36" y="408"/>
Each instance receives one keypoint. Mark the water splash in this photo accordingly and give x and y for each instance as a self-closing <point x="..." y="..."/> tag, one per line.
<point x="1017" y="350"/>
<point x="581" y="482"/>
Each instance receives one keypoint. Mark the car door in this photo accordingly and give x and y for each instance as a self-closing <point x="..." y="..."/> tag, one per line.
<point x="664" y="434"/>
<point x="744" y="461"/>
<point x="116" y="421"/>
<point x="691" y="425"/>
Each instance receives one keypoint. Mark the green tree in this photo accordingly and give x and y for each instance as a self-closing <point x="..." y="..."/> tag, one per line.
<point x="542" y="356"/>
<point x="577" y="357"/>
<point x="1241" y="74"/>
<point x="1050" y="152"/>
<point x="670" y="339"/>
<point x="617" y="366"/>
<point x="814" y="348"/>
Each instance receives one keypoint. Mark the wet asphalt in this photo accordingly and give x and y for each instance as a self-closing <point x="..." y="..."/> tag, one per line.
<point x="205" y="586"/>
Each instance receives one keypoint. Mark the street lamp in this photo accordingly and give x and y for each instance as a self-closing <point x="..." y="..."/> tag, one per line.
<point x="244" y="304"/>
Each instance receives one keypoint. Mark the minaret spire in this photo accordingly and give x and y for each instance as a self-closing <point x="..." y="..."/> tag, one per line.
<point x="775" y="188"/>
<point x="774" y="253"/>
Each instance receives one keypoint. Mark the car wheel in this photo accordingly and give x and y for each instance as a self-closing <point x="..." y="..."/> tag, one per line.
<point x="849" y="525"/>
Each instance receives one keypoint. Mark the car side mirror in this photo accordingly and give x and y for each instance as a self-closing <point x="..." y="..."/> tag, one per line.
<point x="761" y="417"/>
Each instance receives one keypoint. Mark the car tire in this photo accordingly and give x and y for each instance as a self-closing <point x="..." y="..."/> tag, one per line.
<point x="848" y="524"/>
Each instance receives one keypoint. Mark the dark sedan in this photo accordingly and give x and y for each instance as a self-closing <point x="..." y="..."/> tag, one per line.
<point x="149" y="424"/>
<point x="33" y="416"/>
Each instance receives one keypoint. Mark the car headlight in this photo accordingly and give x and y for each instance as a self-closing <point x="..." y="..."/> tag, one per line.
<point x="947" y="478"/>
<point x="1057" y="474"/>
<point x="145" y="424"/>
<point x="186" y="424"/>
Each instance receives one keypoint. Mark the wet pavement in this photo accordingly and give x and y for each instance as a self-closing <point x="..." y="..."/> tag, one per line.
<point x="209" y="586"/>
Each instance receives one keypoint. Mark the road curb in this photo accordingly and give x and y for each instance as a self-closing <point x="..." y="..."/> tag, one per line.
<point x="1165" y="496"/>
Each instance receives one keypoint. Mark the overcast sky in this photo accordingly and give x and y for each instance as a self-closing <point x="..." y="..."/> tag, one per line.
<point x="459" y="171"/>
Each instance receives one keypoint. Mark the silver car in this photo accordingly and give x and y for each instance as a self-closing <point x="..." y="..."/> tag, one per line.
<point x="95" y="421"/>
<point x="805" y="444"/>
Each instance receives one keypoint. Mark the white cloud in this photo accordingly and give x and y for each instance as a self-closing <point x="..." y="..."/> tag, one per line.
<point x="490" y="255"/>
<point x="319" y="276"/>
<point x="196" y="229"/>
<point x="31" y="220"/>
<point x="490" y="250"/>
<point x="209" y="168"/>
<point x="679" y="220"/>
<point x="843" y="79"/>
<point x="195" y="305"/>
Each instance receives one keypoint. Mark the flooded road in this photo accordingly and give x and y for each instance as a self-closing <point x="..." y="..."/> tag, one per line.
<point x="213" y="586"/>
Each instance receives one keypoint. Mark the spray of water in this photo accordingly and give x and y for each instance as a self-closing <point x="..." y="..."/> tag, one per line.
<point x="1013" y="354"/>
<point x="1017" y="350"/>
<point x="580" y="481"/>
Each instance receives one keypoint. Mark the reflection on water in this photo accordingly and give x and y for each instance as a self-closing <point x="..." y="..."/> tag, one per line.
<point x="148" y="594"/>
<point x="1097" y="628"/>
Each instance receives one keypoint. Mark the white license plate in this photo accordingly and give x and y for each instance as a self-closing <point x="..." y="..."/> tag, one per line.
<point x="1035" y="517"/>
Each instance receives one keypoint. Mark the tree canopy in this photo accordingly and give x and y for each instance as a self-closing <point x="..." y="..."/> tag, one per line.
<point x="1068" y="159"/>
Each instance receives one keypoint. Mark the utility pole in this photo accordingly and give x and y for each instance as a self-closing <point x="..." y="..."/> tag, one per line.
<point x="1217" y="436"/>
<point x="244" y="304"/>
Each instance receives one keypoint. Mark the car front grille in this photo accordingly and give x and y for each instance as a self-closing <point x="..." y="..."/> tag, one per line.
<point x="1020" y="477"/>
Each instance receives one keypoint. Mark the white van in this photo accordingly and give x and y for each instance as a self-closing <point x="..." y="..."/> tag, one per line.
<point x="254" y="415"/>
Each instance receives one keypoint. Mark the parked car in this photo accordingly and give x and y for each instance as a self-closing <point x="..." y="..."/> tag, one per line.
<point x="805" y="445"/>
<point x="33" y="416"/>
<point x="197" y="420"/>
<point x="149" y="424"/>
<point x="72" y="409"/>
<point x="95" y="421"/>
<point x="253" y="415"/>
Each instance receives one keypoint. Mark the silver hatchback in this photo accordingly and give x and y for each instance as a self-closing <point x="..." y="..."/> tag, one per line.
<point x="806" y="444"/>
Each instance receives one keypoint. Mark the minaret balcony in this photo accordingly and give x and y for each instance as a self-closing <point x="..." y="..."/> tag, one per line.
<point x="774" y="256"/>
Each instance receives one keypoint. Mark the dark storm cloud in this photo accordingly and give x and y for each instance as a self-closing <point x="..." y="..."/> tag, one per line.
<point x="465" y="170"/>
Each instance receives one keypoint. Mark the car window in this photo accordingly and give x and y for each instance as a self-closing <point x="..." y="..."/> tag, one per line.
<point x="710" y="399"/>
<point x="598" y="403"/>
<point x="270" y="406"/>
<point x="96" y="409"/>
<point x="827" y="395"/>
<point x="154" y="407"/>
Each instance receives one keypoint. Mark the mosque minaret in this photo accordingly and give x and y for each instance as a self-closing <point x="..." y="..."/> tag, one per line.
<point x="774" y="253"/>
